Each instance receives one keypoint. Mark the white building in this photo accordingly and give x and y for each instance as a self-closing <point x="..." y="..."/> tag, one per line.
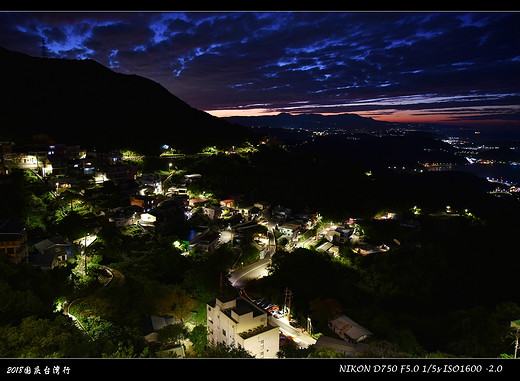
<point x="240" y="323"/>
<point x="348" y="329"/>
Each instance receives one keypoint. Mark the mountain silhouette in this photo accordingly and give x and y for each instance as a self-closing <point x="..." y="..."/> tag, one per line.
<point x="83" y="102"/>
<point x="312" y="122"/>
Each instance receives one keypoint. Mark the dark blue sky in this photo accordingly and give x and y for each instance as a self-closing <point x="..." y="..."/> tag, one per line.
<point x="399" y="66"/>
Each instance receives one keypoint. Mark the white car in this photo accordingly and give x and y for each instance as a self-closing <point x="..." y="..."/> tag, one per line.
<point x="277" y="314"/>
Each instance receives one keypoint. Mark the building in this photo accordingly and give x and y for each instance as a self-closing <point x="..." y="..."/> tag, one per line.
<point x="348" y="329"/>
<point x="348" y="349"/>
<point x="13" y="241"/>
<point x="147" y="203"/>
<point x="213" y="213"/>
<point x="281" y="212"/>
<point x="153" y="324"/>
<point x="230" y="203"/>
<point x="290" y="228"/>
<point x="52" y="252"/>
<point x="206" y="241"/>
<point x="237" y="322"/>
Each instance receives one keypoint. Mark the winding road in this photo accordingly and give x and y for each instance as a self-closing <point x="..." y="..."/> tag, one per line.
<point x="259" y="269"/>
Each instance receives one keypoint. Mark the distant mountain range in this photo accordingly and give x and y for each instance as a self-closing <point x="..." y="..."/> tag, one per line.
<point x="312" y="122"/>
<point x="82" y="102"/>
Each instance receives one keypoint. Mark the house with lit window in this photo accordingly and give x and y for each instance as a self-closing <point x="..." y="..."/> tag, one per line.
<point x="237" y="322"/>
<point x="13" y="241"/>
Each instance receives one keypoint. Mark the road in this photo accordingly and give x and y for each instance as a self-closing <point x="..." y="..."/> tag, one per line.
<point x="302" y="339"/>
<point x="239" y="278"/>
<point x="259" y="269"/>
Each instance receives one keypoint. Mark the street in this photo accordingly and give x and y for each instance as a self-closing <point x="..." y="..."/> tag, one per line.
<point x="239" y="279"/>
<point x="301" y="338"/>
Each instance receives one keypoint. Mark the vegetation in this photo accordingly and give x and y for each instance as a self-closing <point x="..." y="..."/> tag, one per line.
<point x="444" y="288"/>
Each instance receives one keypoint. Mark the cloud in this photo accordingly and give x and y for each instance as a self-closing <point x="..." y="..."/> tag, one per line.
<point x="312" y="61"/>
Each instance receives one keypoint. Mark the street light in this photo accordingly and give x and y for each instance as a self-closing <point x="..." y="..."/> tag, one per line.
<point x="85" y="255"/>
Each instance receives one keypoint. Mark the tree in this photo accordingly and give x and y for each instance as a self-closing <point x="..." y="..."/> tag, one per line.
<point x="324" y="309"/>
<point x="36" y="337"/>
<point x="199" y="338"/>
<point x="222" y="350"/>
<point x="290" y="350"/>
<point x="172" y="334"/>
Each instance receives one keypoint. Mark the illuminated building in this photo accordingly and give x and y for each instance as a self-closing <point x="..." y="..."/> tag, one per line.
<point x="239" y="323"/>
<point x="13" y="241"/>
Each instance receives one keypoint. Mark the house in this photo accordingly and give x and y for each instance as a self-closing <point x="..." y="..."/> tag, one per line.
<point x="230" y="203"/>
<point x="194" y="202"/>
<point x="45" y="167"/>
<point x="177" y="190"/>
<point x="13" y="241"/>
<point x="324" y="247"/>
<point x="124" y="216"/>
<point x="348" y="349"/>
<point x="167" y="210"/>
<point x="173" y="206"/>
<point x="290" y="228"/>
<point x="147" y="203"/>
<point x="213" y="213"/>
<point x="348" y="329"/>
<point x="120" y="173"/>
<point x="52" y="252"/>
<point x="237" y="322"/>
<point x="153" y="324"/>
<point x="338" y="234"/>
<point x="249" y="212"/>
<point x="206" y="241"/>
<point x="262" y="205"/>
<point x="151" y="218"/>
<point x="192" y="177"/>
<point x="281" y="212"/>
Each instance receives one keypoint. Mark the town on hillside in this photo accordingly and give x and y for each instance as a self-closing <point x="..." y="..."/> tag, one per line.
<point x="80" y="205"/>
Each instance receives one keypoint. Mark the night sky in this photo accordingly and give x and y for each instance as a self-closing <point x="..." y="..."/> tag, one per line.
<point x="397" y="66"/>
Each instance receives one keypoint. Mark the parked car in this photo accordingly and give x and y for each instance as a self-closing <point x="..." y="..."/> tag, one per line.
<point x="277" y="314"/>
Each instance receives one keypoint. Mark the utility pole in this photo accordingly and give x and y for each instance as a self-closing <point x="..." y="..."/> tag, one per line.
<point x="288" y="298"/>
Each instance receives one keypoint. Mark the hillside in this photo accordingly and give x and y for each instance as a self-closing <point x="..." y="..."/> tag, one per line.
<point x="83" y="102"/>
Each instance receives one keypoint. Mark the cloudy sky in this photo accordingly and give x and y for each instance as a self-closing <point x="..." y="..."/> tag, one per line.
<point x="398" y="66"/>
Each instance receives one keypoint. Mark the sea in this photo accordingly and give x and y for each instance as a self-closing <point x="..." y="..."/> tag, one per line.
<point x="501" y="172"/>
<point x="508" y="172"/>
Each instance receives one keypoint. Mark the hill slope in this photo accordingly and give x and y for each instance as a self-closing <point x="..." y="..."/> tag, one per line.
<point x="83" y="102"/>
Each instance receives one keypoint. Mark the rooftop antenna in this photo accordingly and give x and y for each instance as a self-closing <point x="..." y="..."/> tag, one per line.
<point x="43" y="46"/>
